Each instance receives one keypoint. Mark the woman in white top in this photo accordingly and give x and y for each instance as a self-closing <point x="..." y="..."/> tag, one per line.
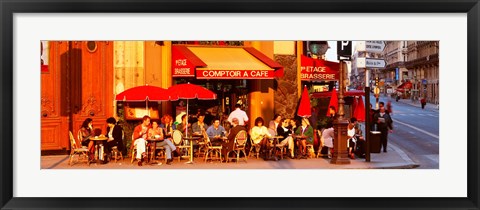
<point x="328" y="134"/>
<point x="260" y="134"/>
<point x="351" y="137"/>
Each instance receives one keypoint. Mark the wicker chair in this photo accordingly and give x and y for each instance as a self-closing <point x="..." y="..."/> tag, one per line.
<point x="82" y="152"/>
<point x="212" y="150"/>
<point x="253" y="147"/>
<point x="239" y="146"/>
<point x="179" y="143"/>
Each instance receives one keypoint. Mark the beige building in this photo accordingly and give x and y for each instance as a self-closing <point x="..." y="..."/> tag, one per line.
<point x="422" y="62"/>
<point x="395" y="55"/>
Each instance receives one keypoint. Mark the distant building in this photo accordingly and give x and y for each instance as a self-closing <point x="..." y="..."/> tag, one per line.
<point x="422" y="62"/>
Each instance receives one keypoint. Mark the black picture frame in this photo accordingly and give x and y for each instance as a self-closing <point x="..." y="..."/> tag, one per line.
<point x="10" y="7"/>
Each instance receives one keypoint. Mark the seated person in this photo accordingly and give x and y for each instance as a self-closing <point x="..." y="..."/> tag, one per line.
<point x="139" y="139"/>
<point x="284" y="131"/>
<point x="157" y="133"/>
<point x="260" y="134"/>
<point x="275" y="122"/>
<point x="215" y="131"/>
<point x="167" y="125"/>
<point x="86" y="131"/>
<point x="304" y="130"/>
<point x="200" y="126"/>
<point x="352" y="140"/>
<point x="328" y="135"/>
<point x="182" y="127"/>
<point x="228" y="146"/>
<point x="114" y="135"/>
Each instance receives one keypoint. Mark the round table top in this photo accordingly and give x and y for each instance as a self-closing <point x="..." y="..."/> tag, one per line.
<point x="276" y="137"/>
<point x="300" y="137"/>
<point x="155" y="139"/>
<point x="192" y="137"/>
<point x="99" y="138"/>
<point x="222" y="138"/>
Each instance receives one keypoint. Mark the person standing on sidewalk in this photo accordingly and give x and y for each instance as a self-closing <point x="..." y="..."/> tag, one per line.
<point x="424" y="102"/>
<point x="384" y="125"/>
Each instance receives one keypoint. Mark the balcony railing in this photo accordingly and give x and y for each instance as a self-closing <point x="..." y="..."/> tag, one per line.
<point x="422" y="61"/>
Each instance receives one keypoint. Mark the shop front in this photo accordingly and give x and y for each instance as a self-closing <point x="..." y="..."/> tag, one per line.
<point x="231" y="72"/>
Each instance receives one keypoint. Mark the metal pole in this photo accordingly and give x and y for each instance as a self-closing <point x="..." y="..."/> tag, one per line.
<point x="367" y="117"/>
<point x="340" y="126"/>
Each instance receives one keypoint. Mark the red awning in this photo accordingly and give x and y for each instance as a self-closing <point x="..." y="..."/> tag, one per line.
<point x="405" y="85"/>
<point x="328" y="94"/>
<point x="206" y="62"/>
<point x="318" y="69"/>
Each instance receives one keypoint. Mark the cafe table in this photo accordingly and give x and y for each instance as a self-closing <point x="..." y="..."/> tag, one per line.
<point x="275" y="140"/>
<point x="190" y="139"/>
<point x="154" y="142"/>
<point x="98" y="147"/>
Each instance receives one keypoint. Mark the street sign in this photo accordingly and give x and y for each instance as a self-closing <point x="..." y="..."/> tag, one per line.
<point x="371" y="46"/>
<point x="374" y="46"/>
<point x="344" y="50"/>
<point x="375" y="63"/>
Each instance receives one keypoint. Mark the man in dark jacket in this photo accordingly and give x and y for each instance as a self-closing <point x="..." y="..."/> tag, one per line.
<point x="384" y="125"/>
<point x="227" y="147"/>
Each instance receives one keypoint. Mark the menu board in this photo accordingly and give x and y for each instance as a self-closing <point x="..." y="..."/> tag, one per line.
<point x="137" y="113"/>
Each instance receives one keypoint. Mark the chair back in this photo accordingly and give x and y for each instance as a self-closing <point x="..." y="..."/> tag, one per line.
<point x="73" y="144"/>
<point x="206" y="139"/>
<point x="177" y="137"/>
<point x="272" y="132"/>
<point x="241" y="138"/>
<point x="80" y="136"/>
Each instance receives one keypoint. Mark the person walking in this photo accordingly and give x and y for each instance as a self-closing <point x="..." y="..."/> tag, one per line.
<point x="384" y="125"/>
<point x="424" y="102"/>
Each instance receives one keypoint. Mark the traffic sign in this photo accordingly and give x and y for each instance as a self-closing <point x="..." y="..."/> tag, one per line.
<point x="371" y="46"/>
<point x="374" y="46"/>
<point x="375" y="63"/>
<point x="344" y="50"/>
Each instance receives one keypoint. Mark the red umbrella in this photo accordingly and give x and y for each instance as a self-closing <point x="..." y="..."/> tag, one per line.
<point x="144" y="93"/>
<point x="304" y="110"/>
<point x="333" y="102"/>
<point x="190" y="91"/>
<point x="360" y="110"/>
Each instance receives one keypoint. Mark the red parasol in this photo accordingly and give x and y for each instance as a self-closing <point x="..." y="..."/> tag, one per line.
<point x="333" y="102"/>
<point x="144" y="93"/>
<point x="304" y="110"/>
<point x="190" y="91"/>
<point x="359" y="112"/>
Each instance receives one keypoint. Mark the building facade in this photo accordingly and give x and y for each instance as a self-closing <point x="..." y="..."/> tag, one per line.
<point x="422" y="62"/>
<point x="80" y="80"/>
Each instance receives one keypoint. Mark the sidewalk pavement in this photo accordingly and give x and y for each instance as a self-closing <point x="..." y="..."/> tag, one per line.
<point x="393" y="159"/>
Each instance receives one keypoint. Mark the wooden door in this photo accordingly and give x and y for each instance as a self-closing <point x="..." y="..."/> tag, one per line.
<point x="77" y="85"/>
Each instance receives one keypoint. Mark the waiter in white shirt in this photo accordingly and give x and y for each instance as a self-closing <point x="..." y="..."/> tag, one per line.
<point x="239" y="114"/>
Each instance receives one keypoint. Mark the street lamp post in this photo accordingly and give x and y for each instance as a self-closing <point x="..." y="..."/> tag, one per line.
<point x="340" y="154"/>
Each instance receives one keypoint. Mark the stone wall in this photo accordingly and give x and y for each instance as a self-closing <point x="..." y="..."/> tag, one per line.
<point x="286" y="93"/>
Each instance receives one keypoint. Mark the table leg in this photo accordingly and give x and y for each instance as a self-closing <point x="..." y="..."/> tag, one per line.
<point x="191" y="153"/>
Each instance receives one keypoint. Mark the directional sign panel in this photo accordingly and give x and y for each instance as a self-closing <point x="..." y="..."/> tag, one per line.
<point x="370" y="46"/>
<point x="374" y="46"/>
<point x="375" y="63"/>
